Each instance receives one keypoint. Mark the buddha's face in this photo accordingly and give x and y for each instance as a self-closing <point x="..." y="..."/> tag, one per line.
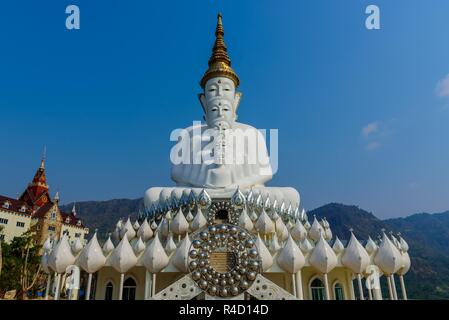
<point x="220" y="97"/>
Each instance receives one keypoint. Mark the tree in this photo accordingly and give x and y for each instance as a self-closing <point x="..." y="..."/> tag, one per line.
<point x="22" y="267"/>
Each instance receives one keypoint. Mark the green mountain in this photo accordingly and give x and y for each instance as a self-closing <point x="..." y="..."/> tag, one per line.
<point x="103" y="215"/>
<point x="426" y="234"/>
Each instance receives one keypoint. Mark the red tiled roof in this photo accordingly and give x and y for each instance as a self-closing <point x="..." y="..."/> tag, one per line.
<point x="15" y="205"/>
<point x="73" y="220"/>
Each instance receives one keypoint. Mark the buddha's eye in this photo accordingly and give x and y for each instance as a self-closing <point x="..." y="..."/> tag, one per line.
<point x="214" y="109"/>
<point x="211" y="89"/>
<point x="226" y="109"/>
<point x="227" y="89"/>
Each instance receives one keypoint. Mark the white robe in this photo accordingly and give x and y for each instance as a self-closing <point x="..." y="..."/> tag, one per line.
<point x="245" y="168"/>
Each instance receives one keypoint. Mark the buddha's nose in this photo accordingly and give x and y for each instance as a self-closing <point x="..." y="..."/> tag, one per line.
<point x="219" y="91"/>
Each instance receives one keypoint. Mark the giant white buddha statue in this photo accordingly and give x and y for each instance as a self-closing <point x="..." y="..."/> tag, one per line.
<point x="241" y="157"/>
<point x="221" y="154"/>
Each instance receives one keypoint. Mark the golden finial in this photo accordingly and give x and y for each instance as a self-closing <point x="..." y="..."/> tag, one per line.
<point x="219" y="62"/>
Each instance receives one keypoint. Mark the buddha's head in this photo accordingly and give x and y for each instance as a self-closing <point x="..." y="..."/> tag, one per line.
<point x="220" y="99"/>
<point x="220" y="102"/>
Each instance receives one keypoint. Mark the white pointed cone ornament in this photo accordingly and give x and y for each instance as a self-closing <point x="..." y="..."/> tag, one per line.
<point x="155" y="259"/>
<point x="145" y="232"/>
<point x="170" y="246"/>
<point x="181" y="256"/>
<point x="404" y="244"/>
<point x="371" y="247"/>
<point x="164" y="228"/>
<point x="264" y="254"/>
<point x="61" y="256"/>
<point x="298" y="231"/>
<point x="357" y="259"/>
<point x="91" y="258"/>
<point x="136" y="225"/>
<point x="180" y="225"/>
<point x="139" y="246"/>
<point x="323" y="258"/>
<point x="274" y="244"/>
<point x="245" y="222"/>
<point x="153" y="225"/>
<point x="199" y="221"/>
<point x="388" y="257"/>
<point x="355" y="256"/>
<point x="189" y="216"/>
<point x="264" y="224"/>
<point x="128" y="230"/>
<point x="108" y="246"/>
<point x="123" y="258"/>
<point x="281" y="230"/>
<point x="338" y="247"/>
<point x="306" y="246"/>
<point x="315" y="230"/>
<point x="405" y="267"/>
<point x="290" y="258"/>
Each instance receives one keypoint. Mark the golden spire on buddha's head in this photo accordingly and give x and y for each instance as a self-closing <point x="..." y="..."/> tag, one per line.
<point x="219" y="62"/>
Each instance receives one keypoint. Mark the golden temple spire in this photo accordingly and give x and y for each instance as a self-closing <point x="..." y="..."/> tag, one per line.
<point x="219" y="62"/>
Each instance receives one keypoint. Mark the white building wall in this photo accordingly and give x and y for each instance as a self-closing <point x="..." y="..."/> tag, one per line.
<point x="13" y="224"/>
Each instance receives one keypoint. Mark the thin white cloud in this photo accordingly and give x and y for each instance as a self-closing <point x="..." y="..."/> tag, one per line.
<point x="442" y="89"/>
<point x="370" y="128"/>
<point x="373" y="146"/>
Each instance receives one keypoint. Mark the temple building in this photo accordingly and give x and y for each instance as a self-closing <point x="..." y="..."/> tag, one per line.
<point x="35" y="210"/>
<point x="219" y="233"/>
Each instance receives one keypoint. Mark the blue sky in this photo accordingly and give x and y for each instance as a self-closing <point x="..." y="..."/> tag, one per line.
<point x="362" y="115"/>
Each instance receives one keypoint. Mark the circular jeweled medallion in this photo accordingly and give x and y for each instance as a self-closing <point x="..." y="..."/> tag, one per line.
<point x="224" y="260"/>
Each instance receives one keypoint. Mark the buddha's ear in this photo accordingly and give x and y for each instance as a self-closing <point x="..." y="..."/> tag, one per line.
<point x="202" y="99"/>
<point x="238" y="96"/>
